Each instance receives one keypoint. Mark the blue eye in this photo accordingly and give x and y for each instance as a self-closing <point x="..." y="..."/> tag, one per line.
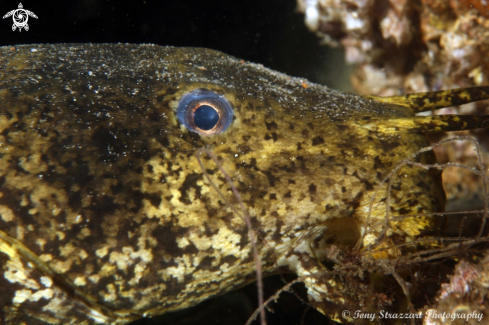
<point x="206" y="117"/>
<point x="205" y="112"/>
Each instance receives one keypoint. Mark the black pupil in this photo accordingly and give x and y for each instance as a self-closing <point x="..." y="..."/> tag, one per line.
<point x="205" y="117"/>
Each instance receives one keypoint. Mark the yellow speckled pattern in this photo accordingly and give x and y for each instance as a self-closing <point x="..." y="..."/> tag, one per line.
<point x="105" y="215"/>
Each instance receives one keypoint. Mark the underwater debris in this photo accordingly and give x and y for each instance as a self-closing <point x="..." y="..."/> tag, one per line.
<point x="404" y="46"/>
<point x="464" y="299"/>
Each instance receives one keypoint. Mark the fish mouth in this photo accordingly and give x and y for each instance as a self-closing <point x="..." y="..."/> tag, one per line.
<point x="343" y="233"/>
<point x="318" y="243"/>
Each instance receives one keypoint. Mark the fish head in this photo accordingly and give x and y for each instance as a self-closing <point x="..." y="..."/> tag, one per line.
<point x="117" y="203"/>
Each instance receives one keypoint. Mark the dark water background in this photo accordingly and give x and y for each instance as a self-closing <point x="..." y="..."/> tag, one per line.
<point x="268" y="32"/>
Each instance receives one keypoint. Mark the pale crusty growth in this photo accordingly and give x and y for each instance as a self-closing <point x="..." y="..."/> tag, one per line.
<point x="106" y="217"/>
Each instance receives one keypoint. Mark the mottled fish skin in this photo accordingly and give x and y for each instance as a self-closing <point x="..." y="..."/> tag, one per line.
<point x="105" y="215"/>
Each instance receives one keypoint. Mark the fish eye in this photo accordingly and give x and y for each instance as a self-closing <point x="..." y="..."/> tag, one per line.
<point x="205" y="112"/>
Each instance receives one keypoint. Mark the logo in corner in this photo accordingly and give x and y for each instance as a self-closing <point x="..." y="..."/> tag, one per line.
<point x="20" y="17"/>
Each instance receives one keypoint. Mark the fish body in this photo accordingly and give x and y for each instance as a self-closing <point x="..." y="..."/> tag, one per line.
<point x="106" y="215"/>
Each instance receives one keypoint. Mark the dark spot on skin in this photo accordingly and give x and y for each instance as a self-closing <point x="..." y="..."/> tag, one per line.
<point x="329" y="207"/>
<point x="169" y="164"/>
<point x="277" y="235"/>
<point x="312" y="189"/>
<point x="299" y="147"/>
<point x="396" y="188"/>
<point x="113" y="142"/>
<point x="317" y="140"/>
<point x="302" y="162"/>
<point x="291" y="127"/>
<point x="288" y="169"/>
<point x="211" y="171"/>
<point x="150" y="169"/>
<point x="271" y="126"/>
<point x="244" y="238"/>
<point x="173" y="286"/>
<point x="368" y="186"/>
<point x="230" y="259"/>
<point x="80" y="174"/>
<point x="274" y="136"/>
<point x="11" y="200"/>
<point x="423" y="185"/>
<point x="208" y="231"/>
<point x="343" y="189"/>
<point x="154" y="116"/>
<point x="388" y="145"/>
<point x="154" y="199"/>
<point x="354" y="204"/>
<point x="291" y="181"/>
<point x="75" y="200"/>
<point x="271" y="178"/>
<point x="378" y="163"/>
<point x="273" y="196"/>
<point x="305" y="133"/>
<point x="189" y="182"/>
<point x="167" y="242"/>
<point x="288" y="194"/>
<point x="8" y="289"/>
<point x="106" y="204"/>
<point x="246" y="138"/>
<point x="175" y="172"/>
<point x="206" y="263"/>
<point x="19" y="125"/>
<point x="404" y="211"/>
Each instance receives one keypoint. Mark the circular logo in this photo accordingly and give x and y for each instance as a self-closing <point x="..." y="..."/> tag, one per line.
<point x="20" y="17"/>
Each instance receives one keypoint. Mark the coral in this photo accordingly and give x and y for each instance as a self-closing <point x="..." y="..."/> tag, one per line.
<point x="436" y="41"/>
<point x="464" y="299"/>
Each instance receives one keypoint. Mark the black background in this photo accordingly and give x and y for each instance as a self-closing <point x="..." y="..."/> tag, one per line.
<point x="261" y="31"/>
<point x="270" y="32"/>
